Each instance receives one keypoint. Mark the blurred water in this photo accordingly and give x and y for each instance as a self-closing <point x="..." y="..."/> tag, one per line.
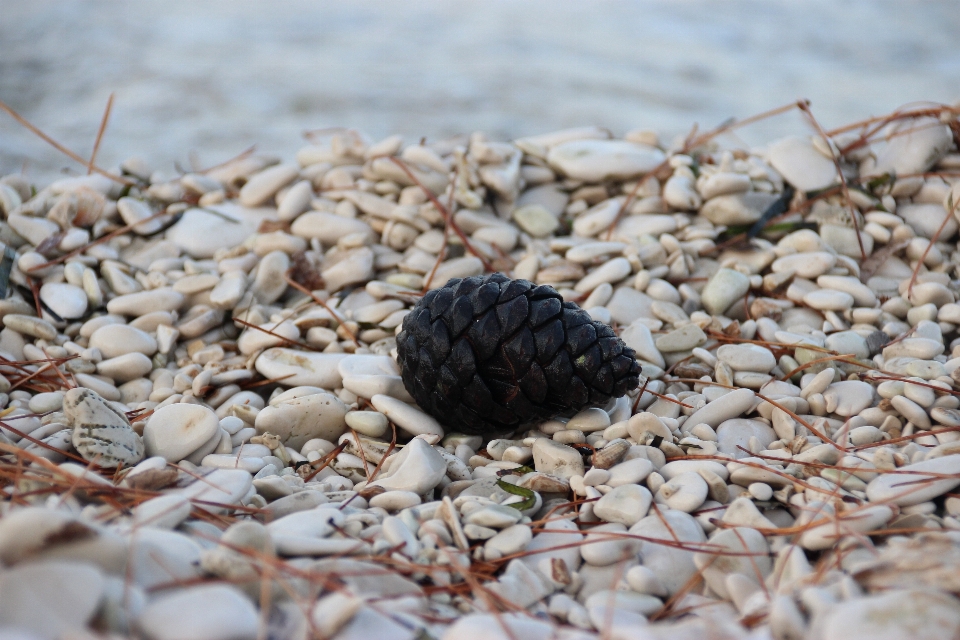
<point x="211" y="78"/>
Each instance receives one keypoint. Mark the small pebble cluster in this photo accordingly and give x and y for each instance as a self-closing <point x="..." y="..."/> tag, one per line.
<point x="204" y="432"/>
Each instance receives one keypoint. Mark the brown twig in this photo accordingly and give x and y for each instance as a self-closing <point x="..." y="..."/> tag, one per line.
<point x="240" y="156"/>
<point x="336" y="316"/>
<point x="93" y="243"/>
<point x="805" y="107"/>
<point x="100" y="132"/>
<point x="943" y="225"/>
<point x="447" y="215"/>
<point x="59" y="147"/>
<point x="288" y="341"/>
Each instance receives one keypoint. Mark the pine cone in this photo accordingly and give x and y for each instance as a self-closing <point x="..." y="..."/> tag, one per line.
<point x="487" y="355"/>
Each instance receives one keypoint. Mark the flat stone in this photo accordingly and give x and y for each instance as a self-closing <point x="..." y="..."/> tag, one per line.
<point x="508" y="541"/>
<point x="758" y="470"/>
<point x="303" y="417"/>
<point x="737" y="208"/>
<point x="908" y="485"/>
<point x="723" y="289"/>
<point x="638" y="337"/>
<point x="828" y="300"/>
<point x="300" y="501"/>
<point x="753" y="561"/>
<point x="66" y="300"/>
<point x="628" y="304"/>
<point x="367" y="365"/>
<point x="673" y="566"/>
<point x="727" y="406"/>
<point x="369" y="423"/>
<point x="626" y="504"/>
<point x="268" y="282"/>
<point x="601" y="160"/>
<point x="589" y="420"/>
<point x="607" y="544"/>
<point x="254" y="339"/>
<point x="852" y="524"/>
<point x="536" y="220"/>
<point x="400" y="536"/>
<point x="394" y="501"/>
<point x="683" y="339"/>
<point x="125" y="368"/>
<point x="120" y="339"/>
<point x="296" y="200"/>
<point x="609" y="272"/>
<point x="326" y="227"/>
<point x="143" y="302"/>
<point x="30" y="326"/>
<point x="673" y="469"/>
<point x="35" y="230"/>
<point x="200" y="232"/>
<point x="371" y="375"/>
<point x="926" y="219"/>
<point x="177" y="430"/>
<point x="556" y="543"/>
<point x="229" y="290"/>
<point x="629" y="472"/>
<point x="747" y="357"/>
<point x="800" y="164"/>
<point x="913" y="152"/>
<point x="50" y="599"/>
<point x="847" y="342"/>
<point x="456" y="268"/>
<point x="556" y="459"/>
<point x="848" y="397"/>
<point x="133" y="211"/>
<point x="406" y="416"/>
<point x="742" y="512"/>
<point x="417" y="468"/>
<point x="262" y="186"/>
<point x="494" y="516"/>
<point x="736" y="432"/>
<point x="607" y="602"/>
<point x="101" y="434"/>
<point x="293" y="368"/>
<point x="162" y="512"/>
<point x="27" y="532"/>
<point x="354" y="268"/>
<point x="891" y="616"/>
<point x="206" y="612"/>
<point x="810" y="264"/>
<point x="684" y="492"/>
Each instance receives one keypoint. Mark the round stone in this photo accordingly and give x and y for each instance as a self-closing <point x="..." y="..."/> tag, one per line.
<point x="302" y="416"/>
<point x="893" y="615"/>
<point x="418" y="468"/>
<point x="747" y="357"/>
<point x="599" y="160"/>
<point x="369" y="423"/>
<point x="65" y="300"/>
<point x="606" y="544"/>
<point x="50" y="599"/>
<point x="625" y="504"/>
<point x="206" y="612"/>
<point x="177" y="430"/>
<point x="723" y="289"/>
<point x="911" y="486"/>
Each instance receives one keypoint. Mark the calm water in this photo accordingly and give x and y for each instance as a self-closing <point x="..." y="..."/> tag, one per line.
<point x="200" y="81"/>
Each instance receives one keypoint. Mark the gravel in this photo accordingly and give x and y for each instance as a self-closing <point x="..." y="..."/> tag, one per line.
<point x="205" y="433"/>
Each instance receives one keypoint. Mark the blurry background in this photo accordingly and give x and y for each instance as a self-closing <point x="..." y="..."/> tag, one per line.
<point x="211" y="78"/>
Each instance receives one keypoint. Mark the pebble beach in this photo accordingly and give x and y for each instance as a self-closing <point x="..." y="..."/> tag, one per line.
<point x="204" y="433"/>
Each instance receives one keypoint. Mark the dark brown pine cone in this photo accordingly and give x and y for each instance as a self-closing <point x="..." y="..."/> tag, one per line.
<point x="487" y="355"/>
